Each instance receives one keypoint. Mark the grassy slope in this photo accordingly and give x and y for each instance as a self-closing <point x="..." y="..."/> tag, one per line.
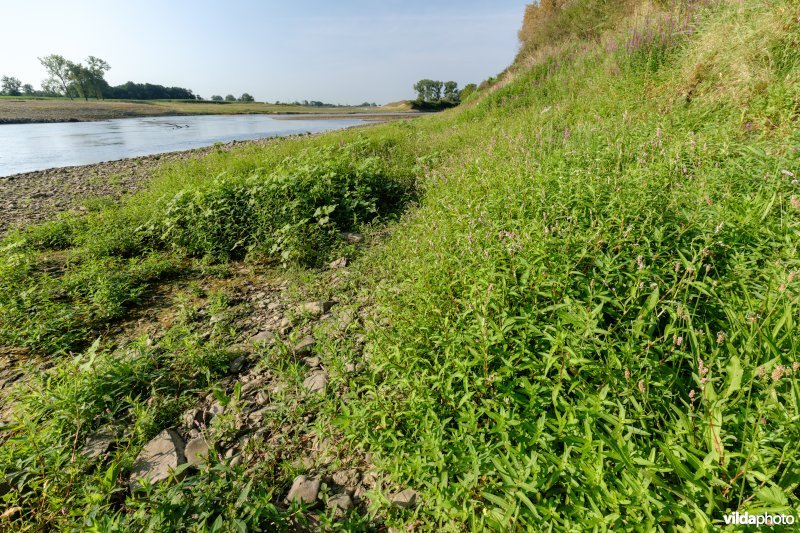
<point x="589" y="320"/>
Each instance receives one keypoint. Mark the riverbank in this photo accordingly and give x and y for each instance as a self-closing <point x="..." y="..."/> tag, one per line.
<point x="38" y="196"/>
<point x="30" y="111"/>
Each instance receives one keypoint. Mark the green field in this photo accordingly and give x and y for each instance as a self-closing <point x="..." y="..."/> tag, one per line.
<point x="578" y="302"/>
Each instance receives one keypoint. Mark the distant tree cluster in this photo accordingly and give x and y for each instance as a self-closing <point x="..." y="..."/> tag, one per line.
<point x="149" y="91"/>
<point x="317" y="103"/>
<point x="434" y="95"/>
<point x="246" y="97"/>
<point x="87" y="80"/>
<point x="10" y="86"/>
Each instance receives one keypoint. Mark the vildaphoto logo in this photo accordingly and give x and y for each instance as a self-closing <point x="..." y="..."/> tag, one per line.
<point x="747" y="519"/>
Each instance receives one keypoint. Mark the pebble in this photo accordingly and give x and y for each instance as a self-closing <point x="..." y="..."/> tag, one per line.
<point x="317" y="382"/>
<point x="158" y="458"/>
<point x="196" y="451"/>
<point x="98" y="444"/>
<point x="304" y="490"/>
<point x="405" y="499"/>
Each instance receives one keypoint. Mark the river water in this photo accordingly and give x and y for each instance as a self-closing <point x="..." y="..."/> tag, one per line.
<point x="29" y="147"/>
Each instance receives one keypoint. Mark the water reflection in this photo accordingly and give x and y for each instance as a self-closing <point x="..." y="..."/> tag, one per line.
<point x="29" y="147"/>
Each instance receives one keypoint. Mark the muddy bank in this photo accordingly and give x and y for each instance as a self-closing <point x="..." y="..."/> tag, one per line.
<point x="27" y="111"/>
<point x="39" y="196"/>
<point x="44" y="111"/>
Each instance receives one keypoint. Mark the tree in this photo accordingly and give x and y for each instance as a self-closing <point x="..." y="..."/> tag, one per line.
<point x="434" y="95"/>
<point x="424" y="90"/>
<point x="27" y="89"/>
<point x="216" y="98"/>
<point x="230" y="98"/>
<point x="95" y="71"/>
<point x="10" y="86"/>
<point x="451" y="91"/>
<point x="58" y="70"/>
<point x="79" y="80"/>
<point x="246" y="98"/>
<point x="436" y="91"/>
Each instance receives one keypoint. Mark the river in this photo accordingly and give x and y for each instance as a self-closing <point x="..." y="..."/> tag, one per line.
<point x="30" y="147"/>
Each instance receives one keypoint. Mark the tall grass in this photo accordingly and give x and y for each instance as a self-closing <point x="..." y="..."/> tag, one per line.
<point x="592" y="316"/>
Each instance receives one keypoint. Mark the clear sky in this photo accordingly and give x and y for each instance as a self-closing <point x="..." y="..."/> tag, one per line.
<point x="338" y="51"/>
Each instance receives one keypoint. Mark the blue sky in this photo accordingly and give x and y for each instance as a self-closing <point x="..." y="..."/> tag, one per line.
<point x="345" y="51"/>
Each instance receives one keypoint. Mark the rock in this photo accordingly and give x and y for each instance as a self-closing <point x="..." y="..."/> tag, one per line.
<point x="405" y="499"/>
<point x="253" y="386"/>
<point x="238" y="364"/>
<point x="158" y="458"/>
<point x="316" y="308"/>
<point x="216" y="409"/>
<point x="347" y="478"/>
<point x="304" y="490"/>
<point x="192" y="418"/>
<point x="370" y="479"/>
<point x="215" y="319"/>
<point x="263" y="338"/>
<point x="341" y="502"/>
<point x="98" y="443"/>
<point x="339" y="263"/>
<point x="273" y="306"/>
<point x="345" y="318"/>
<point x="312" y="362"/>
<point x="303" y="347"/>
<point x="196" y="451"/>
<point x="256" y="417"/>
<point x="351" y="237"/>
<point x="317" y="382"/>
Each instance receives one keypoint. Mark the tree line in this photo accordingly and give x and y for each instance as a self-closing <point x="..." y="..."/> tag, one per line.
<point x="87" y="80"/>
<point x="246" y="97"/>
<point x="433" y="95"/>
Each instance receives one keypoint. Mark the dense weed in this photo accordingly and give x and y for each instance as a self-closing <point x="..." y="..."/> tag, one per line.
<point x="291" y="211"/>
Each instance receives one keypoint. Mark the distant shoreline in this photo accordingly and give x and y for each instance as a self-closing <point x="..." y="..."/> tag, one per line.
<point x="21" y="111"/>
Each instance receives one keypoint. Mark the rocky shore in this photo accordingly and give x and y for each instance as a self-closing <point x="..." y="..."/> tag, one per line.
<point x="38" y="196"/>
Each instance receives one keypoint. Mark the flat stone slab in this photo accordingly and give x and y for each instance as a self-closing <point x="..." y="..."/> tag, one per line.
<point x="404" y="499"/>
<point x="341" y="502"/>
<point x="262" y="338"/>
<point x="196" y="451"/>
<point x="304" y="490"/>
<point x="317" y="382"/>
<point x="158" y="458"/>
<point x="339" y="263"/>
<point x="98" y="444"/>
<point x="304" y="345"/>
<point x="316" y="308"/>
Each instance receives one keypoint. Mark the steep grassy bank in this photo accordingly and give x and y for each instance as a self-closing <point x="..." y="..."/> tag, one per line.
<point x="586" y="318"/>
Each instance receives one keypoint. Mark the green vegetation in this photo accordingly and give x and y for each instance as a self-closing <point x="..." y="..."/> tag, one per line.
<point x="434" y="95"/>
<point x="76" y="80"/>
<point x="586" y="318"/>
